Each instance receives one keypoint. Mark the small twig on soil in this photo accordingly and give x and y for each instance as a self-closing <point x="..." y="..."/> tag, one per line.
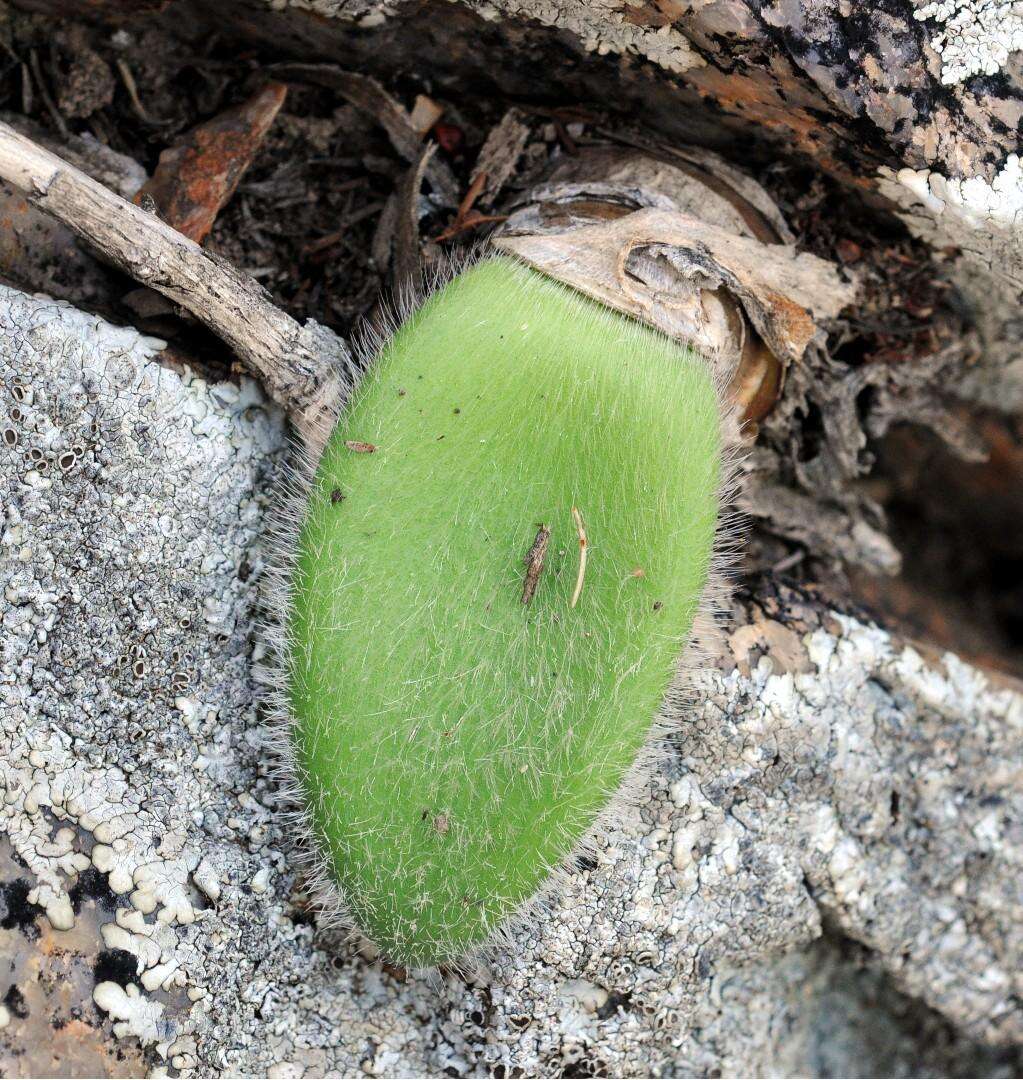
<point x="564" y="138"/>
<point x="334" y="238"/>
<point x="477" y="186"/>
<point x="583" y="545"/>
<point x="407" y="248"/>
<point x="367" y="94"/>
<point x="44" y="93"/>
<point x="473" y="219"/>
<point x="128" y="78"/>
<point x="26" y="90"/>
<point x="466" y="218"/>
<point x="534" y="563"/>
<point x="296" y="364"/>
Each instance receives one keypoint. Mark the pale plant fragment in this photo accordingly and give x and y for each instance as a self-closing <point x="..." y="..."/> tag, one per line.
<point x="583" y="551"/>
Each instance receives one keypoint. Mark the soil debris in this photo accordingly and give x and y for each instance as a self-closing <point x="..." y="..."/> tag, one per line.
<point x="198" y="175"/>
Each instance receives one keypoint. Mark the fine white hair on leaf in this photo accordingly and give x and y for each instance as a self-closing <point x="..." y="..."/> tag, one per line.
<point x="335" y="918"/>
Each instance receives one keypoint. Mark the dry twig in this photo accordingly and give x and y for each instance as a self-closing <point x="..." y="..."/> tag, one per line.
<point x="295" y="363"/>
<point x="467" y="218"/>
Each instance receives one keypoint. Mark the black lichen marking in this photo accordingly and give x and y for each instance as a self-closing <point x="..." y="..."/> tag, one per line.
<point x="16" y="911"/>
<point x="14" y="999"/>
<point x="613" y="1004"/>
<point x="92" y="885"/>
<point x="117" y="966"/>
<point x="584" y="1067"/>
<point x="860" y="73"/>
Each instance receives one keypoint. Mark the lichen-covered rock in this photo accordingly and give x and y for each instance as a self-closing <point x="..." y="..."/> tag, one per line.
<point x="826" y="777"/>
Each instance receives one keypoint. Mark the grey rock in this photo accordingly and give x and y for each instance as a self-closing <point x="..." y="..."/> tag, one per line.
<point x="826" y="778"/>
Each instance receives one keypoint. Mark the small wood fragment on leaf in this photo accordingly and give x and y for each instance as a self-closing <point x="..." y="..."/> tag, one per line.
<point x="583" y="545"/>
<point x="360" y="447"/>
<point x="534" y="563"/>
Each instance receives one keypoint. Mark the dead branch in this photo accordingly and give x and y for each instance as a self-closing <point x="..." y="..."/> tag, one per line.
<point x="298" y="365"/>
